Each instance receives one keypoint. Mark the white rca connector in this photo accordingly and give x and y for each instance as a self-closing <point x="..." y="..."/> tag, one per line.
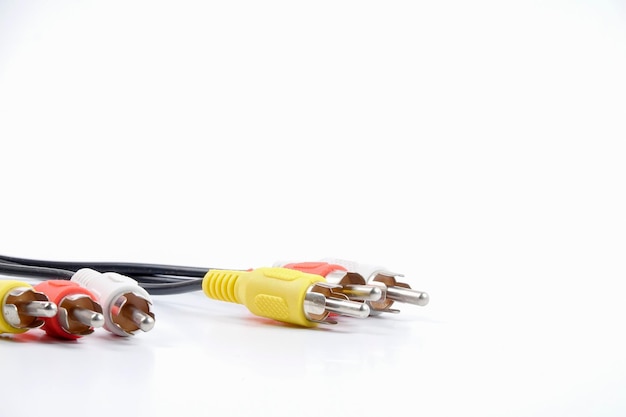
<point x="126" y="305"/>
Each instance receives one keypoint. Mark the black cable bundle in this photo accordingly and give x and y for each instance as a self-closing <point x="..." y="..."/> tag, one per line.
<point x="157" y="279"/>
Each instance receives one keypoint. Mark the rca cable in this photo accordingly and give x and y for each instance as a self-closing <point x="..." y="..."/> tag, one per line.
<point x="74" y="298"/>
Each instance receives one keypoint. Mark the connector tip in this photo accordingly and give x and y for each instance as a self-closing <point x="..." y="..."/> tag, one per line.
<point x="376" y="294"/>
<point x="407" y="295"/>
<point x="363" y="311"/>
<point x="144" y="321"/>
<point x="88" y="317"/>
<point x="423" y="299"/>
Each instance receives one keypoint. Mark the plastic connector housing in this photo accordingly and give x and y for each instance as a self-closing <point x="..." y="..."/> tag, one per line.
<point x="281" y="294"/>
<point x="127" y="307"/>
<point x="78" y="312"/>
<point x="22" y="308"/>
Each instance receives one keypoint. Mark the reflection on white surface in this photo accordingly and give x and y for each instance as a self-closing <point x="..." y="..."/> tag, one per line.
<point x="204" y="357"/>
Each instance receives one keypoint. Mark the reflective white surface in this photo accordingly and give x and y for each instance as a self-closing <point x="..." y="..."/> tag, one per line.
<point x="205" y="357"/>
<point x="476" y="147"/>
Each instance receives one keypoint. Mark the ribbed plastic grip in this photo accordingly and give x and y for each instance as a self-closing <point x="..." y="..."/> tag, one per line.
<point x="220" y="285"/>
<point x="275" y="293"/>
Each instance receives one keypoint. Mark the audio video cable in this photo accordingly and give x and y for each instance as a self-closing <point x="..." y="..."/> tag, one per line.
<point x="301" y="293"/>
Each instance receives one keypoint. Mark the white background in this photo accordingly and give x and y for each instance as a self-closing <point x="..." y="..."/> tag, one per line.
<point x="477" y="147"/>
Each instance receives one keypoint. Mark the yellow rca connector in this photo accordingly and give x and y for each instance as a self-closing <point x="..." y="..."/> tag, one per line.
<point x="22" y="307"/>
<point x="282" y="294"/>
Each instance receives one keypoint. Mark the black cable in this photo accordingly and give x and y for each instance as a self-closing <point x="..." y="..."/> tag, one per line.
<point x="38" y="272"/>
<point x="155" y="279"/>
<point x="171" y="288"/>
<point x="43" y="273"/>
<point x="125" y="268"/>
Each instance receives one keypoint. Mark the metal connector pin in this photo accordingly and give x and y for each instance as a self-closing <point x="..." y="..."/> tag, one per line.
<point x="354" y="286"/>
<point x="347" y="308"/>
<point x="363" y="292"/>
<point x="324" y="298"/>
<point x="144" y="321"/>
<point x="406" y="295"/>
<point x="39" y="309"/>
<point x="88" y="317"/>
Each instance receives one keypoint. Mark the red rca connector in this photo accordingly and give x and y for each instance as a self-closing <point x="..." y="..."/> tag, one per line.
<point x="22" y="308"/>
<point x="78" y="312"/>
<point x="352" y="284"/>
